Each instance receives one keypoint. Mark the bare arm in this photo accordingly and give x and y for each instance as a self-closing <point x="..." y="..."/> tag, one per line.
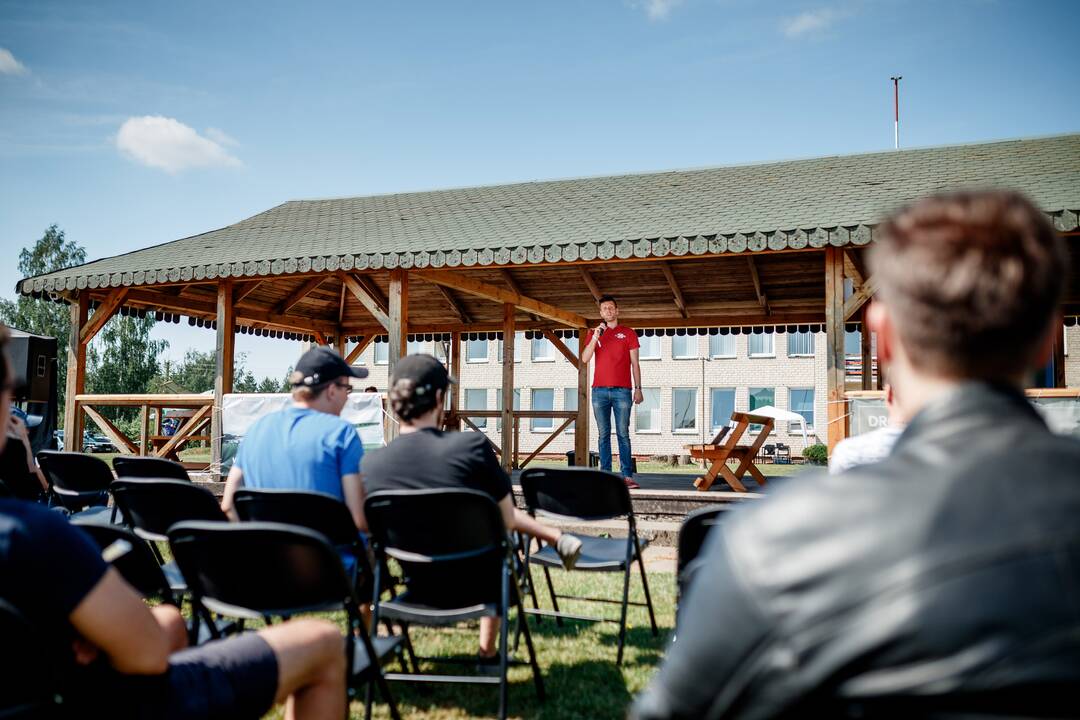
<point x="232" y="484"/>
<point x="114" y="619"/>
<point x="590" y="347"/>
<point x="352" y="486"/>
<point x="635" y="368"/>
<point x="515" y="519"/>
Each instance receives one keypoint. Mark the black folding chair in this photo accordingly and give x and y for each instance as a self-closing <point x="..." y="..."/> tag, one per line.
<point x="78" y="483"/>
<point x="136" y="466"/>
<point x="692" y="534"/>
<point x="583" y="494"/>
<point x="31" y="686"/>
<point x="257" y="570"/>
<point x="457" y="562"/>
<point x="133" y="559"/>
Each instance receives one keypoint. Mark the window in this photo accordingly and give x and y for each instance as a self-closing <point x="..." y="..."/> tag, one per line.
<point x="441" y="351"/>
<point x="542" y="399"/>
<point x="647" y="414"/>
<point x="476" y="351"/>
<point x="649" y="348"/>
<point x="683" y="409"/>
<point x="722" y="346"/>
<point x="760" y="397"/>
<point x="684" y="347"/>
<point x="761" y="345"/>
<point x="543" y="350"/>
<point x="569" y="402"/>
<point x="800" y="344"/>
<point x="722" y="401"/>
<point x="801" y="400"/>
<point x="499" y="404"/>
<point x="417" y="347"/>
<point x="519" y="347"/>
<point x="382" y="353"/>
<point x="476" y="399"/>
<point x="853" y="343"/>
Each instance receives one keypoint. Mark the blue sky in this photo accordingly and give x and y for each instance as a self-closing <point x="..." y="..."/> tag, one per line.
<point x="135" y="123"/>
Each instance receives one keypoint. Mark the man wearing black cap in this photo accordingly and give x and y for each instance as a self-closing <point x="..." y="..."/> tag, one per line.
<point x="306" y="446"/>
<point x="464" y="460"/>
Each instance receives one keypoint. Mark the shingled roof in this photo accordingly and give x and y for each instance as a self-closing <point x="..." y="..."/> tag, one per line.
<point x="750" y="208"/>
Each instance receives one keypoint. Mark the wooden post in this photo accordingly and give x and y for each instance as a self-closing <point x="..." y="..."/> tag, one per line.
<point x="455" y="372"/>
<point x="581" y="429"/>
<point x="223" y="375"/>
<point x="144" y="431"/>
<point x="398" y="328"/>
<point x="1059" y="354"/>
<point x="76" y="374"/>
<point x="834" y="345"/>
<point x="506" y="439"/>
<point x="867" y="350"/>
<point x="339" y="340"/>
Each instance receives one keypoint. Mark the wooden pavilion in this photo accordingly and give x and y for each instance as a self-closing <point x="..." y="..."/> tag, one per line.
<point x="730" y="249"/>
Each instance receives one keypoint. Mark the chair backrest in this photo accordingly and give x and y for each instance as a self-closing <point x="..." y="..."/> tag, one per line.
<point x="135" y="466"/>
<point x="138" y="565"/>
<point x="692" y="534"/>
<point x="75" y="472"/>
<point x="451" y="544"/>
<point x="316" y="511"/>
<point x="153" y="506"/>
<point x="257" y="569"/>
<point x="578" y="493"/>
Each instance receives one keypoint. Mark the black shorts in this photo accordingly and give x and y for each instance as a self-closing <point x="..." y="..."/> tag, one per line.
<point x="231" y="678"/>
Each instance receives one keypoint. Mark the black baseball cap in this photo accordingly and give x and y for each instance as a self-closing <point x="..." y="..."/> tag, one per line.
<point x="425" y="370"/>
<point x="320" y="365"/>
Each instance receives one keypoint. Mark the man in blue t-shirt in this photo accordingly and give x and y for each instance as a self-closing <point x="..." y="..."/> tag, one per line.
<point x="306" y="446"/>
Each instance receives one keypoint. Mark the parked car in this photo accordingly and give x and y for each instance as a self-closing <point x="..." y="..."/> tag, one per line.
<point x="95" y="443"/>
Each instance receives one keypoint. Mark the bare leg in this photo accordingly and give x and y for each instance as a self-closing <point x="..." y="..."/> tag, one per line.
<point x="311" y="668"/>
<point x="489" y="631"/>
<point x="170" y="620"/>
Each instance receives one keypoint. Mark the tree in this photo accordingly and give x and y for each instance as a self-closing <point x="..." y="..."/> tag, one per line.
<point x="197" y="371"/>
<point x="50" y="253"/>
<point x="123" y="359"/>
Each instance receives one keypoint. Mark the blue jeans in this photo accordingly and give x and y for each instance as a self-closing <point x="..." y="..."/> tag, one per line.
<point x="605" y="401"/>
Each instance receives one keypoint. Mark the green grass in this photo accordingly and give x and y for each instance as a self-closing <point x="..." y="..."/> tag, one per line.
<point x="578" y="660"/>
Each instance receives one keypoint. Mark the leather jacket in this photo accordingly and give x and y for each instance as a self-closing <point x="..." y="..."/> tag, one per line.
<point x="943" y="581"/>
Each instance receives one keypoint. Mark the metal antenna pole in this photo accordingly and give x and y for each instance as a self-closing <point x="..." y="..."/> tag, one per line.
<point x="896" y="110"/>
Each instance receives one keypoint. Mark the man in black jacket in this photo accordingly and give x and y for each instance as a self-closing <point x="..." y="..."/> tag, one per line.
<point x="945" y="579"/>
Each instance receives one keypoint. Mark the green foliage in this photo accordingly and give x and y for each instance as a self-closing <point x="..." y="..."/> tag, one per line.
<point x="817" y="453"/>
<point x="196" y="373"/>
<point x="123" y="359"/>
<point x="50" y="253"/>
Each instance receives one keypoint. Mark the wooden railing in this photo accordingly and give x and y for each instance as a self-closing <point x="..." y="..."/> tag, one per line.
<point x="193" y="428"/>
<point x="464" y="416"/>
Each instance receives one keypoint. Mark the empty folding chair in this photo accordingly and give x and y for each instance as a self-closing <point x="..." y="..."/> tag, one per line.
<point x="692" y="534"/>
<point x="583" y="494"/>
<point x="132" y="558"/>
<point x="135" y="466"/>
<point x="457" y="562"/>
<point x="256" y="570"/>
<point x="78" y="483"/>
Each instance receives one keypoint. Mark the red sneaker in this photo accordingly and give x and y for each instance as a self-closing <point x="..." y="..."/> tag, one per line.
<point x="631" y="484"/>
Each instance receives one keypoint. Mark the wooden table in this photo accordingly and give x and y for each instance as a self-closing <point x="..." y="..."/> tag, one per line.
<point x="725" y="446"/>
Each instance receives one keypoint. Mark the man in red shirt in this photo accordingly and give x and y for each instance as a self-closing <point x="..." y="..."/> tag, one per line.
<point x="616" y="349"/>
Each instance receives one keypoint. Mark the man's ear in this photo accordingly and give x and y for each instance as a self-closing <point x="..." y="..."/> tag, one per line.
<point x="880" y="322"/>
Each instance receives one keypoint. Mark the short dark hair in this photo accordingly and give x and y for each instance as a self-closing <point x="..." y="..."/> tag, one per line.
<point x="607" y="298"/>
<point x="408" y="404"/>
<point x="973" y="280"/>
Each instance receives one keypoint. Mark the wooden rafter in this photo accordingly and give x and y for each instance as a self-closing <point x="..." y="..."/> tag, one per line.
<point x="762" y="300"/>
<point x="370" y="302"/>
<point x="208" y="310"/>
<point x="511" y="282"/>
<point x="359" y="349"/>
<point x="118" y="438"/>
<point x="860" y="297"/>
<point x="854" y="268"/>
<point x="455" y="305"/>
<point x="500" y="295"/>
<point x="680" y="302"/>
<point x="242" y="290"/>
<point x="561" y="347"/>
<point x="302" y="292"/>
<point x="341" y="304"/>
<point x="105" y="310"/>
<point x="185" y="431"/>
<point x="320" y="338"/>
<point x="374" y="291"/>
<point x="591" y="284"/>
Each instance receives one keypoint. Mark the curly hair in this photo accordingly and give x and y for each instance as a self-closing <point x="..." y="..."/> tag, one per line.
<point x="407" y="403"/>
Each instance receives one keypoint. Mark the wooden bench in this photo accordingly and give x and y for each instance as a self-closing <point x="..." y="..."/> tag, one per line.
<point x="725" y="446"/>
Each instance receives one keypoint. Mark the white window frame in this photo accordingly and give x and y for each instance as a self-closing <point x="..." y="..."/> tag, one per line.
<point x="570" y="392"/>
<point x="542" y="342"/>
<point x="726" y="338"/>
<point x="498" y="405"/>
<point x="712" y="404"/>
<point x="813" y="409"/>
<point x="750" y="345"/>
<point x="386" y="353"/>
<point x="418" y="347"/>
<point x="468" y="355"/>
<point x="480" y="422"/>
<point x="519" y="342"/>
<point x="694" y="345"/>
<point x="650" y="339"/>
<point x="796" y="336"/>
<point x="694" y="407"/>
<point x="656" y="428"/>
<point x="533" y="426"/>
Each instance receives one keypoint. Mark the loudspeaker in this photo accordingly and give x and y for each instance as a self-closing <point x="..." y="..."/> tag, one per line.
<point x="33" y="362"/>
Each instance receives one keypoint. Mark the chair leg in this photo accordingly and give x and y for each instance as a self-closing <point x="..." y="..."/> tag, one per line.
<point x="384" y="690"/>
<point x="551" y="594"/>
<point x="622" y="613"/>
<point x="538" y="678"/>
<point x="409" y="648"/>
<point x="645" y="587"/>
<point x="504" y="649"/>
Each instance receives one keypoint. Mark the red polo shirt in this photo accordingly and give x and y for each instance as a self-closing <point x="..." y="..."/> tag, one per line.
<point x="613" y="357"/>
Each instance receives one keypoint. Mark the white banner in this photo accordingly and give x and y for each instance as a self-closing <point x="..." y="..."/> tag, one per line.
<point x="240" y="411"/>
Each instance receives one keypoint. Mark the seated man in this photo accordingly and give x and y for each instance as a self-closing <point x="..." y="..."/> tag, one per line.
<point x="19" y="471"/>
<point x="118" y="658"/>
<point x="306" y="446"/>
<point x="942" y="580"/>
<point x="423" y="456"/>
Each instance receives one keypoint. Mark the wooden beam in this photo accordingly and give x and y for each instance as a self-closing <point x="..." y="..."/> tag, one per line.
<point x="184" y="431"/>
<point x="118" y="438"/>
<point x="398" y="326"/>
<point x="341" y="304"/>
<point x="243" y="289"/>
<point x="581" y="427"/>
<point x="144" y="430"/>
<point x="374" y="291"/>
<point x="101" y="316"/>
<point x="320" y="339"/>
<point x="76" y="373"/>
<point x="302" y="292"/>
<point x="680" y="302"/>
<point x="866" y="351"/>
<point x="591" y="284"/>
<point x="370" y="303"/>
<point x="512" y="283"/>
<point x="762" y="300"/>
<point x="223" y="371"/>
<point x="547" y="441"/>
<point x="359" y="349"/>
<point x="860" y="297"/>
<point x="455" y="372"/>
<point x="455" y="306"/>
<point x="561" y="347"/>
<point x="835" y="359"/>
<point x="208" y="310"/>
<point x="854" y="268"/>
<point x="506" y="440"/>
<point x="498" y="294"/>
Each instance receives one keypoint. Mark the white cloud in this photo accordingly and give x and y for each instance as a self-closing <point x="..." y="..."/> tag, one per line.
<point x="221" y="137"/>
<point x="9" y="65"/>
<point x="170" y="145"/>
<point x="659" y="9"/>
<point x="808" y="22"/>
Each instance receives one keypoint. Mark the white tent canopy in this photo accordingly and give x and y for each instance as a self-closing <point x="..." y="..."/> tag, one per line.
<point x="785" y="415"/>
